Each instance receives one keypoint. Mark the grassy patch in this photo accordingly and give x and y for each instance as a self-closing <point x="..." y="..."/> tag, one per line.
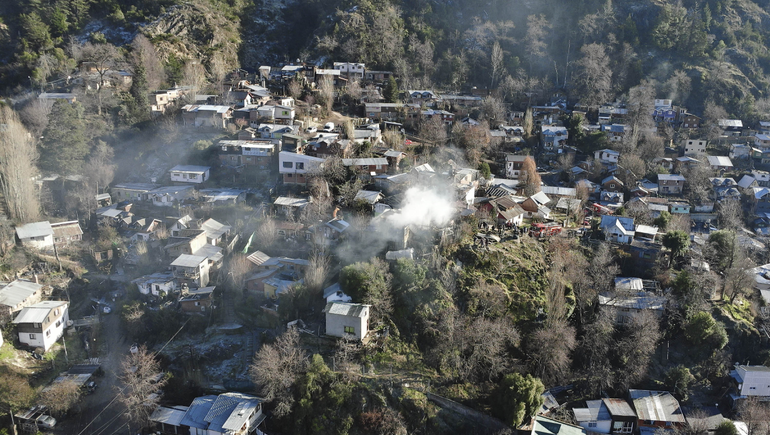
<point x="7" y="352"/>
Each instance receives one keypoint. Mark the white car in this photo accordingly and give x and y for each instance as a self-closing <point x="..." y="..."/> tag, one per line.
<point x="311" y="130"/>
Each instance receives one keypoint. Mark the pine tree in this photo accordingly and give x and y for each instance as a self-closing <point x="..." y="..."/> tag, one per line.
<point x="64" y="146"/>
<point x="391" y="90"/>
<point x="139" y="90"/>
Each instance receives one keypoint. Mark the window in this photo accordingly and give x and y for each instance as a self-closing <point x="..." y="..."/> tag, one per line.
<point x="48" y="333"/>
<point x="591" y="424"/>
<point x="58" y="322"/>
<point x="287" y="164"/>
<point x="612" y="185"/>
<point x="32" y="336"/>
<point x="300" y="165"/>
<point x="350" y="330"/>
<point x="36" y="325"/>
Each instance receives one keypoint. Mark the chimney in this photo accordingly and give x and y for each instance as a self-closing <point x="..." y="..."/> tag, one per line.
<point x="334" y="214"/>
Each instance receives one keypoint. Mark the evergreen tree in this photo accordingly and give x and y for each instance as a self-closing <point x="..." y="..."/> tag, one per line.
<point x="139" y="91"/>
<point x="391" y="90"/>
<point x="517" y="397"/>
<point x="64" y="146"/>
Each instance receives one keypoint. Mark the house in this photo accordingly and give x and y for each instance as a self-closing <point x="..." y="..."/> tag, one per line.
<point x="680" y="208"/>
<point x="279" y="269"/>
<point x="378" y="76"/>
<point x="227" y="414"/>
<point x="205" y="115"/>
<point x="513" y="164"/>
<point x="750" y="381"/>
<point x="508" y="211"/>
<point x="294" y="167"/>
<point x="19" y="294"/>
<point x="615" y="132"/>
<point x="606" y="156"/>
<point x="656" y="409"/>
<point x="369" y="197"/>
<point x="252" y="153"/>
<point x="617" y="229"/>
<point x="611" y="199"/>
<point x="722" y="163"/>
<point x="222" y="195"/>
<point x="197" y="300"/>
<point x="647" y="232"/>
<point x="68" y="97"/>
<point x="38" y="235"/>
<point x="706" y="417"/>
<point x="41" y="324"/>
<point x="553" y="137"/>
<point x="542" y="425"/>
<point x="762" y="141"/>
<point x="189" y="174"/>
<point x="157" y="283"/>
<point x="739" y="151"/>
<point x="131" y="191"/>
<point x="169" y="420"/>
<point x="290" y="207"/>
<point x="690" y="121"/>
<point x="66" y="232"/>
<point x="334" y="229"/>
<point x="612" y="184"/>
<point x="762" y="177"/>
<point x="345" y="319"/>
<point x="685" y="162"/>
<point x="693" y="147"/>
<point x="608" y="416"/>
<point x="670" y="184"/>
<point x="730" y="127"/>
<point x="215" y="231"/>
<point x="446" y="117"/>
<point x="334" y="293"/>
<point x="192" y="270"/>
<point x="624" y="307"/>
<point x="372" y="166"/>
<point x="350" y="69"/>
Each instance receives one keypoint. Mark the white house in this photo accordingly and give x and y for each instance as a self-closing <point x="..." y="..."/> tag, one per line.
<point x="190" y="174"/>
<point x="694" y="146"/>
<point x="347" y="319"/>
<point x="168" y="196"/>
<point x="191" y="269"/>
<point x="751" y="381"/>
<point x="720" y="162"/>
<point x="617" y="229"/>
<point x="513" y="164"/>
<point x="41" y="324"/>
<point x="227" y="414"/>
<point x="606" y="156"/>
<point x="156" y="283"/>
<point x="350" y="69"/>
<point x="334" y="293"/>
<point x="595" y="417"/>
<point x="19" y="294"/>
<point x="294" y="167"/>
<point x="38" y="235"/>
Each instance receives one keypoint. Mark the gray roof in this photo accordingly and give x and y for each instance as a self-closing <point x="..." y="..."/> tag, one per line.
<point x="17" y="292"/>
<point x="36" y="313"/>
<point x="196" y="413"/>
<point x="641" y="301"/>
<point x="292" y="202"/>
<point x="369" y="196"/>
<point x="186" y="260"/>
<point x="190" y="168"/>
<point x="35" y="229"/>
<point x="546" y="426"/>
<point x="332" y="289"/>
<point x="595" y="410"/>
<point x="670" y="177"/>
<point x="619" y="407"/>
<point x="366" y="161"/>
<point x="210" y="252"/>
<point x="169" y="416"/>
<point x="404" y="253"/>
<point x="258" y="257"/>
<point x="346" y="309"/>
<point x="214" y="229"/>
<point x="656" y="406"/>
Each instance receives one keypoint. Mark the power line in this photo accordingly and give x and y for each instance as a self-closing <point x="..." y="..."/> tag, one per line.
<point x="122" y="389"/>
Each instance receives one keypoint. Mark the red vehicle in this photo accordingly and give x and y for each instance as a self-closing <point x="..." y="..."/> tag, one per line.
<point x="600" y="209"/>
<point x="545" y="230"/>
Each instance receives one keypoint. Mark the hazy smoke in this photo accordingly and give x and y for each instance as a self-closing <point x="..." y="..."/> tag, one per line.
<point x="423" y="206"/>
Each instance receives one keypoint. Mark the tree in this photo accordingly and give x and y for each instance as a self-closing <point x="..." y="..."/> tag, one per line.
<point x="35" y="115"/>
<point x="140" y="94"/>
<point x="550" y="349"/>
<point x="294" y="88"/>
<point x="141" y="392"/>
<point x="276" y="367"/>
<point x="484" y="170"/>
<point x="517" y="398"/>
<point x="102" y="57"/>
<point x="194" y="77"/>
<point x="730" y="213"/>
<point x="537" y="28"/>
<point x="755" y="414"/>
<point x="677" y="243"/>
<point x="662" y="220"/>
<point x="739" y="279"/>
<point x="17" y="166"/>
<point x="145" y="55"/>
<point x="15" y="393"/>
<point x="678" y="380"/>
<point x="498" y="64"/>
<point x="59" y="397"/>
<point x="594" y="74"/>
<point x="326" y="92"/>
<point x="390" y="93"/>
<point x="493" y="110"/>
<point x="369" y="283"/>
<point x="433" y="130"/>
<point x="529" y="179"/>
<point x="64" y="146"/>
<point x="726" y="427"/>
<point x="634" y="351"/>
<point x="703" y="329"/>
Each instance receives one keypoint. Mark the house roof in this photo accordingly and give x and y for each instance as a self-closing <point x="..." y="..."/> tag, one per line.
<point x="190" y="168"/>
<point x="619" y="407"/>
<point x="546" y="426"/>
<point x="210" y="252"/>
<point x="186" y="260"/>
<point x="626" y="225"/>
<point x="346" y="309"/>
<point x="737" y="123"/>
<point x="332" y="289"/>
<point x="66" y="229"/>
<point x="646" y="229"/>
<point x="629" y="284"/>
<point x="541" y="198"/>
<point x="746" y="181"/>
<point x="365" y="162"/>
<point x="515" y="158"/>
<point x="656" y="406"/>
<point x="258" y="257"/>
<point x="595" y="410"/>
<point x="214" y="229"/>
<point x="425" y="167"/>
<point x="197" y="412"/>
<point x="404" y="253"/>
<point x="612" y="178"/>
<point x="36" y="313"/>
<point x="169" y="416"/>
<point x="607" y="151"/>
<point x="369" y="196"/>
<point x="163" y="277"/>
<point x="720" y="161"/>
<point x="670" y="177"/>
<point x="337" y="225"/>
<point x="17" y="292"/>
<point x="558" y="190"/>
<point x="35" y="229"/>
<point x="640" y="301"/>
<point x="291" y="202"/>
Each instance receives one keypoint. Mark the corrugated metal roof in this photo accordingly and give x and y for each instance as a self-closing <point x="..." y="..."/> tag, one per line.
<point x="169" y="416"/>
<point x="35" y="229"/>
<point x="190" y="168"/>
<point x="17" y="292"/>
<point x="619" y="407"/>
<point x="186" y="260"/>
<point x="67" y="229"/>
<point x="595" y="410"/>
<point x="346" y="309"/>
<point x="547" y="426"/>
<point x="369" y="196"/>
<point x="656" y="406"/>
<point x="197" y="412"/>
<point x="367" y="161"/>
<point x="36" y="313"/>
<point x="291" y="202"/>
<point x="258" y="257"/>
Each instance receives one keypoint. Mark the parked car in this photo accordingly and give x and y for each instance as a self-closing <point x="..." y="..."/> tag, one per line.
<point x="311" y="130"/>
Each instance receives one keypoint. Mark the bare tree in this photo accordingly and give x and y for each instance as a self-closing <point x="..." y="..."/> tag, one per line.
<point x="730" y="214"/>
<point x="354" y="90"/>
<point x="595" y="74"/>
<point x="317" y="271"/>
<point x="145" y="54"/>
<point x="194" y="77"/>
<point x="326" y="93"/>
<point x="498" y="64"/>
<point x="493" y="110"/>
<point x="141" y="392"/>
<point x="738" y="279"/>
<point x="103" y="58"/>
<point x="35" y="115"/>
<point x="100" y="168"/>
<point x="237" y="270"/>
<point x="17" y="166"/>
<point x="637" y="347"/>
<point x="550" y="349"/>
<point x="537" y="28"/>
<point x="218" y="69"/>
<point x="602" y="269"/>
<point x="294" y="88"/>
<point x="59" y="397"/>
<point x="276" y="367"/>
<point x="345" y="358"/>
<point x="266" y="234"/>
<point x="755" y="414"/>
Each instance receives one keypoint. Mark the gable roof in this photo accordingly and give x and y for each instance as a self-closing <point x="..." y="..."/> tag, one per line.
<point x="34" y="229"/>
<point x="17" y="292"/>
<point x="546" y="426"/>
<point x="612" y="178"/>
<point x="190" y="168"/>
<point x="720" y="161"/>
<point x="595" y="410"/>
<point x="624" y="224"/>
<point x="36" y="313"/>
<point x="258" y="258"/>
<point x="186" y="260"/>
<point x="369" y="196"/>
<point x="656" y="406"/>
<point x="670" y="177"/>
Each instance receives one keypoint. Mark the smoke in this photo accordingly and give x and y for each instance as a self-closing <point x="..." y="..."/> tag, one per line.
<point x="423" y="207"/>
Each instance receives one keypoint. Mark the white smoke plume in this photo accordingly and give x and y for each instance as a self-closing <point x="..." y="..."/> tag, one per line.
<point x="423" y="207"/>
